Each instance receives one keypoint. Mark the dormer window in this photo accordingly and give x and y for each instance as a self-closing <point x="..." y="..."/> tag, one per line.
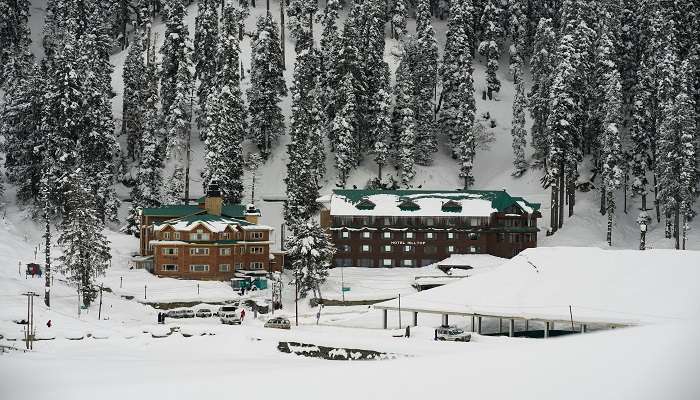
<point x="166" y="235"/>
<point x="408" y="205"/>
<point x="199" y="235"/>
<point x="225" y="236"/>
<point x="365" y="204"/>
<point x="452" y="206"/>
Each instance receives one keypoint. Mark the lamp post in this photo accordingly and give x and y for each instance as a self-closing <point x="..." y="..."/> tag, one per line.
<point x="642" y="235"/>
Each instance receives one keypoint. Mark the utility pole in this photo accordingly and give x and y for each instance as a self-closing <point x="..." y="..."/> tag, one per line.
<point x="99" y="312"/>
<point x="78" y="300"/>
<point x="284" y="62"/>
<point x="144" y="292"/>
<point x="342" y="282"/>
<point x="198" y="289"/>
<point x="30" y="330"/>
<point x="296" y="297"/>
<point x="47" y="260"/>
<point x="189" y="139"/>
<point x="399" y="310"/>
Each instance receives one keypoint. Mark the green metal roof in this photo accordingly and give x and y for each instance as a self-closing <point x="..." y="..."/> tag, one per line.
<point x="500" y="199"/>
<point x="181" y="210"/>
<point x="206" y="218"/>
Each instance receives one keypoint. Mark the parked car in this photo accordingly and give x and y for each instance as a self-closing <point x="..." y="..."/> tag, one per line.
<point x="230" y="318"/>
<point x="176" y="313"/>
<point x="228" y="308"/>
<point x="188" y="313"/>
<point x="203" y="313"/>
<point x="278" y="322"/>
<point x="452" y="333"/>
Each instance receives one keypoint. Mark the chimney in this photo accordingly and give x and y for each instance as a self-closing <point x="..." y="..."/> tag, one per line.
<point x="251" y="214"/>
<point x="213" y="200"/>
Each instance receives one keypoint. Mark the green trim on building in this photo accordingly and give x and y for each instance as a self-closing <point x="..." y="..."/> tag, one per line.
<point x="237" y="211"/>
<point x="500" y="199"/>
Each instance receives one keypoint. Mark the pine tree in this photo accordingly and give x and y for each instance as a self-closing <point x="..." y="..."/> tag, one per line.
<point x="206" y="39"/>
<point x="490" y="47"/>
<point x="266" y="87"/>
<point x="311" y="253"/>
<point x="518" y="125"/>
<point x="21" y="128"/>
<point x="177" y="123"/>
<point x="599" y="118"/>
<point x="343" y="131"/>
<point x="423" y="64"/>
<point x="542" y="67"/>
<point x="85" y="248"/>
<point x="381" y="146"/>
<point x="133" y="101"/>
<point x="407" y="149"/>
<point x="226" y="116"/>
<point x="457" y="105"/>
<point x="301" y="14"/>
<point x="14" y="35"/>
<point x="176" y="51"/>
<point x="330" y="78"/>
<point x="611" y="151"/>
<point x="305" y="167"/>
<point x="399" y="15"/>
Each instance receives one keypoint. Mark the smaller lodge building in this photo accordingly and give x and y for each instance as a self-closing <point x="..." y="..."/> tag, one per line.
<point x="209" y="241"/>
<point x="415" y="228"/>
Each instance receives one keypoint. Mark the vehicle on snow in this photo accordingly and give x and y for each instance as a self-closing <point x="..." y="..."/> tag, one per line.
<point x="278" y="322"/>
<point x="452" y="333"/>
<point x="203" y="313"/>
<point x="230" y="318"/>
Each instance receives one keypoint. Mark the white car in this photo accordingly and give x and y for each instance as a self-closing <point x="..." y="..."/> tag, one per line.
<point x="278" y="322"/>
<point x="230" y="318"/>
<point x="452" y="333"/>
<point x="203" y="313"/>
<point x="228" y="308"/>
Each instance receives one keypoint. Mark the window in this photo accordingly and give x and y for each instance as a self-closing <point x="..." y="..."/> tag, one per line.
<point x="473" y="236"/>
<point x="450" y="235"/>
<point x="168" y="267"/>
<point x="366" y="235"/>
<point x="410" y="235"/>
<point x="345" y="248"/>
<point x="239" y="266"/>
<point x="224" y="267"/>
<point x="366" y="248"/>
<point x="407" y="249"/>
<point x="450" y="249"/>
<point x="507" y="222"/>
<point x="199" y="235"/>
<point x="408" y="263"/>
<point x="386" y="235"/>
<point x="430" y="249"/>
<point x="199" y="251"/>
<point x="256" y="250"/>
<point x="345" y="235"/>
<point x="256" y="235"/>
<point x="386" y="248"/>
<point x="166" y="235"/>
<point x="430" y="235"/>
<point x="429" y="221"/>
<point x="366" y="262"/>
<point x="475" y="222"/>
<point x="387" y="262"/>
<point x="177" y="235"/>
<point x="256" y="265"/>
<point x="199" y="268"/>
<point x="473" y="249"/>
<point x="242" y="250"/>
<point x="501" y="237"/>
<point x="170" y="251"/>
<point x="225" y="236"/>
<point x="225" y="251"/>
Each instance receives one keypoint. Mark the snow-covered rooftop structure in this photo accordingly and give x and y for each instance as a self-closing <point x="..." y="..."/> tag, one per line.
<point x="428" y="203"/>
<point x="616" y="287"/>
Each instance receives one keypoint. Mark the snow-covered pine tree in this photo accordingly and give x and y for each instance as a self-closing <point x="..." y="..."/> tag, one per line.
<point x="305" y="151"/>
<point x="301" y="14"/>
<point x="176" y="51"/>
<point x="311" y="253"/>
<point x="490" y="46"/>
<point x="330" y="78"/>
<point x="516" y="11"/>
<point x="226" y="116"/>
<point x="542" y="68"/>
<point x="561" y="131"/>
<point x="133" y="100"/>
<point x="14" y="35"/>
<point x="611" y="148"/>
<point x="424" y="63"/>
<point x="518" y="124"/>
<point x="456" y="102"/>
<point x="266" y="86"/>
<point x="381" y="145"/>
<point x="20" y="126"/>
<point x="399" y="16"/>
<point x="407" y="149"/>
<point x="206" y="39"/>
<point x="343" y="130"/>
<point x="85" y="248"/>
<point x="677" y="163"/>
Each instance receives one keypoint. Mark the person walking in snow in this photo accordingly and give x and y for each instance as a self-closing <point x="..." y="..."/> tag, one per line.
<point x="242" y="314"/>
<point x="48" y="324"/>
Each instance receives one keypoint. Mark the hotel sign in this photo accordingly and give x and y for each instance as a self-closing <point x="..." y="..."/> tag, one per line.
<point x="400" y="242"/>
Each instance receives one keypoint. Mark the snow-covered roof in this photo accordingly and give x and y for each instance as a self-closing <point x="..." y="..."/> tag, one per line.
<point x="428" y="203"/>
<point x="212" y="223"/>
<point x="604" y="286"/>
<point x="475" y="261"/>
